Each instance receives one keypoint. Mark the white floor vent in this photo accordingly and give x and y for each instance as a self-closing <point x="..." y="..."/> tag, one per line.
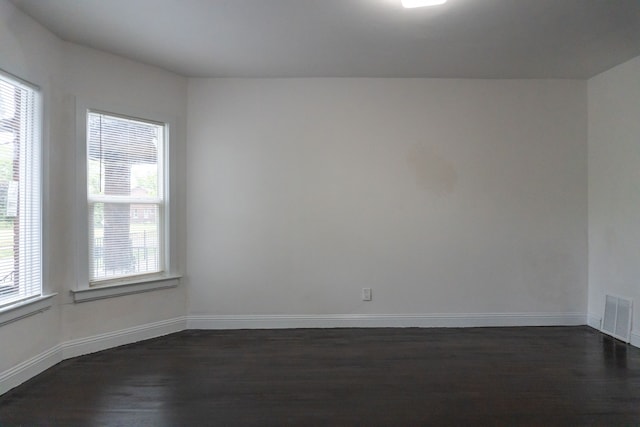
<point x="617" y="317"/>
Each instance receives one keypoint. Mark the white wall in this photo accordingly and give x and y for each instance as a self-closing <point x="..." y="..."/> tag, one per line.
<point x="444" y="196"/>
<point x="32" y="53"/>
<point x="614" y="187"/>
<point x="67" y="72"/>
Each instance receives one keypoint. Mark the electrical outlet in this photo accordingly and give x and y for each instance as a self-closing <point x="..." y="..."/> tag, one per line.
<point x="366" y="294"/>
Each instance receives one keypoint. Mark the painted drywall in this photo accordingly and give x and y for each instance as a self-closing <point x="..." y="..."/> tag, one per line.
<point x="67" y="73"/>
<point x="31" y="52"/>
<point x="614" y="187"/>
<point x="443" y="196"/>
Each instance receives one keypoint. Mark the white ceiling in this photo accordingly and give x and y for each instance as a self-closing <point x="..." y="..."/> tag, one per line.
<point x="354" y="38"/>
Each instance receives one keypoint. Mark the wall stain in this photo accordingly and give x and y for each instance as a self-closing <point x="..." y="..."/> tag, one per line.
<point x="434" y="173"/>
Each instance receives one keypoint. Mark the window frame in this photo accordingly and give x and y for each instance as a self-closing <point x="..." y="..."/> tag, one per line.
<point x="15" y="309"/>
<point x="160" y="202"/>
<point x="87" y="290"/>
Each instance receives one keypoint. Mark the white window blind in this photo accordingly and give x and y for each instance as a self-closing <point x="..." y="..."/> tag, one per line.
<point x="20" y="192"/>
<point x="125" y="186"/>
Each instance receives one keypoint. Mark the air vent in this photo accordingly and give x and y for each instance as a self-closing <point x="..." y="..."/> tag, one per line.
<point x="617" y="317"/>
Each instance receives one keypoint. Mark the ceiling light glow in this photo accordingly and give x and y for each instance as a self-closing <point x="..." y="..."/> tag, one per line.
<point x="409" y="4"/>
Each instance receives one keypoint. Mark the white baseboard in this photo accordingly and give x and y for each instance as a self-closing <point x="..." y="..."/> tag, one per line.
<point x="28" y="369"/>
<point x="594" y="321"/>
<point x="78" y="347"/>
<point x="635" y="339"/>
<point x="383" y="320"/>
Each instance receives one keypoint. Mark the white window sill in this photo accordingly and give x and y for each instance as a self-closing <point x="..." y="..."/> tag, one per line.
<point x="23" y="309"/>
<point x="134" y="286"/>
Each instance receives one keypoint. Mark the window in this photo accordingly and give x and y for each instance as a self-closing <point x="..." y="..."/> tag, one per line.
<point x="125" y="174"/>
<point x="20" y="192"/>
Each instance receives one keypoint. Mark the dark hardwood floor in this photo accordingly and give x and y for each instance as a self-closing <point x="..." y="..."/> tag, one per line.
<point x="351" y="377"/>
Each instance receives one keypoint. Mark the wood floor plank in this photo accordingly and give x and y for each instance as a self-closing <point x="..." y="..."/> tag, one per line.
<point x="472" y="376"/>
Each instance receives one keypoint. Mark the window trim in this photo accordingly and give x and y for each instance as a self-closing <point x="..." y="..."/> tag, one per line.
<point x="159" y="201"/>
<point x="25" y="308"/>
<point x="169" y="277"/>
<point x="137" y="286"/>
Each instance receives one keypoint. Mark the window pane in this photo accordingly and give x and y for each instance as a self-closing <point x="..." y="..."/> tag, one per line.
<point x="20" y="224"/>
<point x="126" y="240"/>
<point x="124" y="184"/>
<point x="123" y="156"/>
<point x="8" y="212"/>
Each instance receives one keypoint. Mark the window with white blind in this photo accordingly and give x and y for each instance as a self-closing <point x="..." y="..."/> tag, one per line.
<point x="125" y="176"/>
<point x="20" y="192"/>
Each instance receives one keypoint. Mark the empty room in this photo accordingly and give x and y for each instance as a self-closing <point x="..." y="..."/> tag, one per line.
<point x="319" y="212"/>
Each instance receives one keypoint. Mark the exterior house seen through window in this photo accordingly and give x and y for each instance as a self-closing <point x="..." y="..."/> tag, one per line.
<point x="125" y="186"/>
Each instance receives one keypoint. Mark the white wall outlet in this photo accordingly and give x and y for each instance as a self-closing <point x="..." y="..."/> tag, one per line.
<point x="366" y="294"/>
